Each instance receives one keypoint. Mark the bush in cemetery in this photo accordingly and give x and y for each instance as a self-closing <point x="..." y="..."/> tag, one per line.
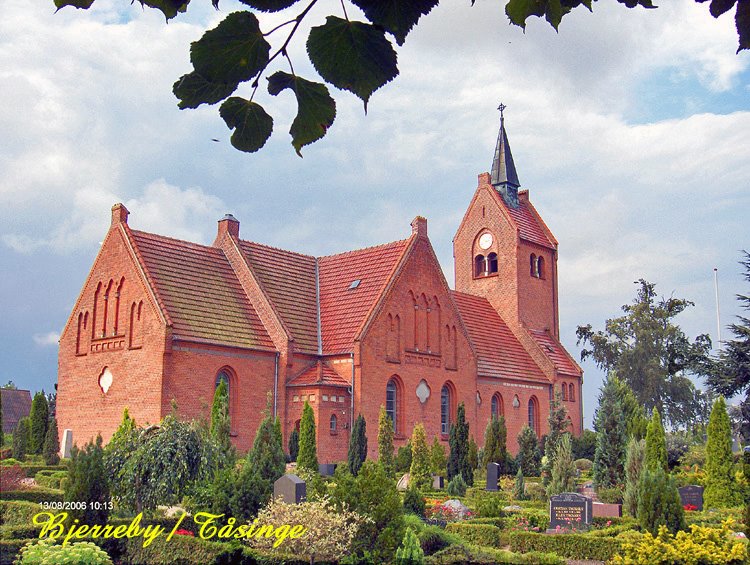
<point x="634" y="458"/>
<point x="456" y="486"/>
<point x="220" y="424"/>
<point x="410" y="552"/>
<point x="656" y="444"/>
<point x="419" y="472"/>
<point x="51" y="450"/>
<point x="584" y="447"/>
<point x="357" y="445"/>
<point x="414" y="502"/>
<point x="403" y="458"/>
<point x="45" y="551"/>
<point x="38" y="421"/>
<point x="307" y="458"/>
<point x="558" y="425"/>
<point x="438" y="458"/>
<point x="528" y="452"/>
<point x="659" y="502"/>
<point x="563" y="470"/>
<point x="611" y="440"/>
<point x="458" y="460"/>
<point x="21" y="439"/>
<point x="519" y="488"/>
<point x="88" y="482"/>
<point x="385" y="442"/>
<point x="720" y="480"/>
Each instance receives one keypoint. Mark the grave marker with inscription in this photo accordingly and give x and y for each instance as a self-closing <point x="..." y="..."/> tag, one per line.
<point x="692" y="495"/>
<point x="569" y="510"/>
<point x="67" y="443"/>
<point x="493" y="472"/>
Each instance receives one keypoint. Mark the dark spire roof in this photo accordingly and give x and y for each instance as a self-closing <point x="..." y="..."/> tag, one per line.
<point x="503" y="168"/>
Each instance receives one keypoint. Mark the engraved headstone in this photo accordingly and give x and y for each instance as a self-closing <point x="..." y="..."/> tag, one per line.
<point x="437" y="482"/>
<point x="493" y="472"/>
<point x="570" y="510"/>
<point x="290" y="488"/>
<point x="67" y="443"/>
<point x="692" y="495"/>
<point x="326" y="469"/>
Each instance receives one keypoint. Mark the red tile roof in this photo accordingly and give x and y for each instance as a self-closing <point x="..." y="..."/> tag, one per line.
<point x="319" y="373"/>
<point x="16" y="405"/>
<point x="289" y="281"/>
<point x="344" y="309"/>
<point x="556" y="352"/>
<point x="529" y="227"/>
<point x="200" y="292"/>
<point x="499" y="353"/>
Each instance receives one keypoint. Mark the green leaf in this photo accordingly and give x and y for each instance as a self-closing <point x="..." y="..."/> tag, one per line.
<point x="252" y="126"/>
<point x="353" y="56"/>
<point x="719" y="7"/>
<point x="269" y="5"/>
<point x="194" y="89"/>
<point x="742" y="20"/>
<point x="634" y="3"/>
<point x="395" y="16"/>
<point x="232" y="52"/>
<point x="554" y="13"/>
<point x="316" y="109"/>
<point x="84" y="4"/>
<point x="518" y="10"/>
<point x="170" y="8"/>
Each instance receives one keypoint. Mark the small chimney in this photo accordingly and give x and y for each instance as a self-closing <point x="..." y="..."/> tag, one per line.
<point x="483" y="178"/>
<point x="419" y="226"/>
<point x="119" y="214"/>
<point x="523" y="195"/>
<point x="229" y="224"/>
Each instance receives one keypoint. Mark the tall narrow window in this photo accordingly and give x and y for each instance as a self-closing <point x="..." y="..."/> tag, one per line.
<point x="564" y="391"/>
<point x="492" y="263"/>
<point x="117" y="306"/>
<point x="479" y="265"/>
<point x="434" y="327"/>
<point x="78" y="333"/>
<point x="415" y="325"/>
<point x="445" y="410"/>
<point x="333" y="423"/>
<point x="97" y="299"/>
<point x="105" y="320"/>
<point x="393" y="341"/>
<point x="497" y="405"/>
<point x="540" y="267"/>
<point x="572" y="394"/>
<point x="226" y="376"/>
<point x="534" y="415"/>
<point x="136" y="324"/>
<point x="532" y="265"/>
<point x="391" y="402"/>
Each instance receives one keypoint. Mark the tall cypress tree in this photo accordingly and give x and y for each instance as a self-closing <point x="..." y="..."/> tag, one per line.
<point x="39" y="419"/>
<point x="307" y="458"/>
<point x="528" y="452"/>
<point x="720" y="481"/>
<point x="87" y="480"/>
<point x="419" y="472"/>
<point x="458" y="460"/>
<point x="634" y="457"/>
<point x="656" y="444"/>
<point x="558" y="423"/>
<point x="611" y="438"/>
<point x="495" y="443"/>
<point x="220" y="424"/>
<point x="51" y="449"/>
<point x="385" y="441"/>
<point x="357" y="445"/>
<point x="267" y="456"/>
<point x="563" y="469"/>
<point x="21" y="438"/>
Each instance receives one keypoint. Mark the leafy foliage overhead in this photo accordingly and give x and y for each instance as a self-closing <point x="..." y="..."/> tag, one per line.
<point x="348" y="54"/>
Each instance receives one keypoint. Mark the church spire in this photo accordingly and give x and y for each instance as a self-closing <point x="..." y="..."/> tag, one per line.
<point x="504" y="177"/>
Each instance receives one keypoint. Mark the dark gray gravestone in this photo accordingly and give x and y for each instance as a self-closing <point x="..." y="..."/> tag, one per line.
<point x="437" y="482"/>
<point x="493" y="472"/>
<point x="570" y="510"/>
<point x="326" y="469"/>
<point x="692" y="495"/>
<point x="290" y="488"/>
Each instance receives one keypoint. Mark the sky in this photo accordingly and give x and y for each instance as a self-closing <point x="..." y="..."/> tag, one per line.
<point x="628" y="127"/>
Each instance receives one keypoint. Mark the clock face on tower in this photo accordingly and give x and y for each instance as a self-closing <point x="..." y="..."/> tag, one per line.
<point x="485" y="240"/>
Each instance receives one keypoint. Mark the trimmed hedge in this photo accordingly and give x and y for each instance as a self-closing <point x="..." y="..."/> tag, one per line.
<point x="9" y="548"/>
<point x="479" y="534"/>
<point x="32" y="470"/>
<point x="571" y="546"/>
<point x="472" y="555"/>
<point x="17" y="512"/>
<point x="37" y="495"/>
<point x="499" y="522"/>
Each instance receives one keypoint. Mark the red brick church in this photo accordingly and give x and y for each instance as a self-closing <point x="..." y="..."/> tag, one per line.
<point x="161" y="319"/>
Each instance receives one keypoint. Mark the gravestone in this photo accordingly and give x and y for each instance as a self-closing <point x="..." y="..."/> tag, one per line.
<point x="569" y="510"/>
<point x="493" y="473"/>
<point x="326" y="469"/>
<point x="67" y="443"/>
<point x="693" y="495"/>
<point x="403" y="482"/>
<point x="290" y="488"/>
<point x="437" y="482"/>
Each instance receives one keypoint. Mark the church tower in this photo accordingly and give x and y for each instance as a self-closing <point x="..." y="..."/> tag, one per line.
<point x="504" y="251"/>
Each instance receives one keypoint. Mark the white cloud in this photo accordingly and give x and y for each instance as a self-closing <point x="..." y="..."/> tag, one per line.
<point x="47" y="339"/>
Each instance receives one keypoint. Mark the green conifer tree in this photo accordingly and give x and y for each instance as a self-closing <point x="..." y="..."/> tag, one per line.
<point x="438" y="458"/>
<point x="634" y="461"/>
<point x="558" y="424"/>
<point x="473" y="454"/>
<point x="277" y="432"/>
<point x="39" y="420"/>
<point x="528" y="452"/>
<point x="402" y="462"/>
<point x="357" y="445"/>
<point x="659" y="501"/>
<point x="419" y="472"/>
<point x="458" y="460"/>
<point x="495" y="440"/>
<point x="293" y="445"/>
<point x="519" y="488"/>
<point x="611" y="439"/>
<point x="21" y="438"/>
<point x="51" y="451"/>
<point x="563" y="469"/>
<point x="88" y="481"/>
<point x="656" y="444"/>
<point x="267" y="456"/>
<point x="385" y="442"/>
<point x="220" y="424"/>
<point x="307" y="458"/>
<point x="410" y="552"/>
<point x="720" y="482"/>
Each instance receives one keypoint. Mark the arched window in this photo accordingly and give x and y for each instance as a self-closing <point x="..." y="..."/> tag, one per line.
<point x="479" y="266"/>
<point x="96" y="310"/>
<point x="333" y="423"/>
<point x="532" y="265"/>
<point x="492" y="263"/>
<point x="540" y="267"/>
<point x="445" y="410"/>
<point x="118" y="292"/>
<point x="393" y="341"/>
<point x="565" y="391"/>
<point x="497" y="409"/>
<point x="572" y="394"/>
<point x="391" y="402"/>
<point x="136" y="325"/>
<point x="534" y="414"/>
<point x="105" y="321"/>
<point x="226" y="375"/>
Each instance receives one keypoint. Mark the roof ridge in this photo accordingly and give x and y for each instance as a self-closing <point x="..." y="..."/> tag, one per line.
<point x="361" y="249"/>
<point x="182" y="241"/>
<point x="276" y="248"/>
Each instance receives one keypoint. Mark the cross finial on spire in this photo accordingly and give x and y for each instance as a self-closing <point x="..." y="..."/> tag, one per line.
<point x="502" y="107"/>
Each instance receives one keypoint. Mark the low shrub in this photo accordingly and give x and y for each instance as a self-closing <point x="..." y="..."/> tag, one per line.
<point x="10" y="461"/>
<point x="38" y="494"/>
<point x="9" y="549"/>
<point x="457" y="486"/>
<point x="472" y="555"/>
<point x="584" y="465"/>
<point x="434" y="538"/>
<point x="478" y="534"/>
<point x="536" y="492"/>
<point x="499" y="522"/>
<point x="571" y="546"/>
<point x="50" y="479"/>
<point x="489" y="505"/>
<point x="47" y="551"/>
<point x="19" y="531"/>
<point x="17" y="512"/>
<point x="611" y="495"/>
<point x="414" y="522"/>
<point x="11" y="477"/>
<point x="708" y="546"/>
<point x="414" y="501"/>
